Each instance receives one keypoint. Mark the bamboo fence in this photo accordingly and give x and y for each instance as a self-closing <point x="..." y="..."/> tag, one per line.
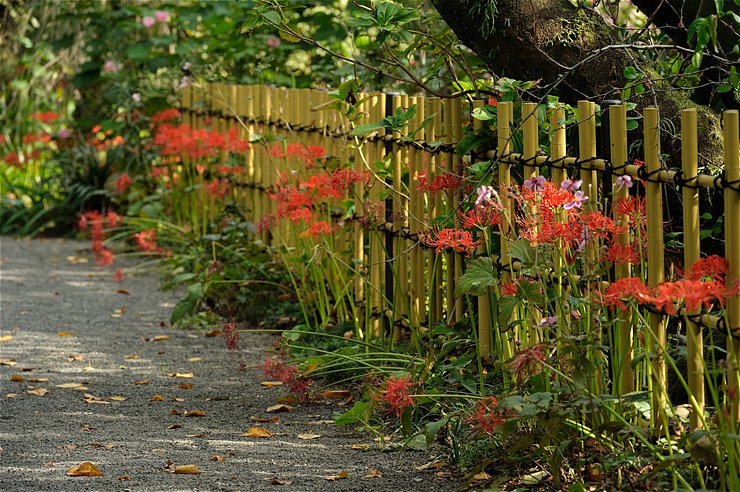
<point x="419" y="291"/>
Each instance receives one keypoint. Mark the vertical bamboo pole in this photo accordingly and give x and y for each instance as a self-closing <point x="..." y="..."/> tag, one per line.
<point x="257" y="110"/>
<point x="456" y="120"/>
<point x="450" y="256"/>
<point x="587" y="150"/>
<point x="434" y="206"/>
<point x="483" y="301"/>
<point x="505" y="118"/>
<point x="732" y="254"/>
<point x="399" y="219"/>
<point x="656" y="274"/>
<point x="417" y="297"/>
<point x="691" y="253"/>
<point x="377" y="237"/>
<point x="530" y="127"/>
<point x="618" y="134"/>
<point x="557" y="145"/>
<point x="359" y="259"/>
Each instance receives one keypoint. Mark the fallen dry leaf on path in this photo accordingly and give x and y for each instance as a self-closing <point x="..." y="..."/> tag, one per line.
<point x="87" y="428"/>
<point x="216" y="457"/>
<point x="85" y="469"/>
<point x="68" y="446"/>
<point x="123" y="478"/>
<point x="308" y="436"/>
<point x="179" y="400"/>
<point x="481" y="476"/>
<point x="336" y="394"/>
<point x="373" y="473"/>
<point x="195" y="413"/>
<point x="158" y="338"/>
<point x="271" y="384"/>
<point x="133" y="357"/>
<point x="7" y="362"/>
<point x="186" y="386"/>
<point x="263" y="420"/>
<point x="38" y="392"/>
<point x="140" y="383"/>
<point x="183" y="375"/>
<point x="217" y="398"/>
<point x="17" y="378"/>
<point x="69" y="385"/>
<point x="123" y="291"/>
<point x="186" y="470"/>
<point x="214" y="333"/>
<point x="38" y="380"/>
<point x="11" y="395"/>
<point x="362" y="447"/>
<point x="197" y="435"/>
<point x="195" y="359"/>
<point x="279" y="481"/>
<point x="156" y="398"/>
<point x="257" y="432"/>
<point x="175" y="426"/>
<point x="118" y="398"/>
<point x="288" y="399"/>
<point x="75" y="358"/>
<point x="334" y="478"/>
<point x="5" y="338"/>
<point x="175" y="411"/>
<point x="65" y="334"/>
<point x="280" y="408"/>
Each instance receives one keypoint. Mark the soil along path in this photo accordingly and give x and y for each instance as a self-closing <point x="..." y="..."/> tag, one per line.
<point x="91" y="372"/>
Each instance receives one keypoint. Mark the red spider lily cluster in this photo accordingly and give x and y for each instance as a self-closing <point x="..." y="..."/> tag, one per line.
<point x="446" y="181"/>
<point x="396" y="394"/>
<point x="146" y="241"/>
<point x="184" y="142"/>
<point x="705" y="284"/>
<point x="489" y="416"/>
<point x="95" y="221"/>
<point x="450" y="238"/>
<point x="527" y="362"/>
<point x="308" y="155"/>
<point x="231" y="336"/>
<point x="290" y="376"/>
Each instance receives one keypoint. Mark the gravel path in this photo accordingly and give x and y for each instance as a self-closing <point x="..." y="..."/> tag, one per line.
<point x="64" y="322"/>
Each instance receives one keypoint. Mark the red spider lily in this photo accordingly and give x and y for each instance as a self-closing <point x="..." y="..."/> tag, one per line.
<point x="601" y="226"/>
<point x="322" y="186"/>
<point x="456" y="239"/>
<point x="303" y="214"/>
<point x="621" y="254"/>
<point x="113" y="219"/>
<point x="147" y="240"/>
<point x="47" y="117"/>
<point x="480" y="217"/>
<point x="447" y="181"/>
<point x="397" y="394"/>
<point x="343" y="179"/>
<point x="35" y="137"/>
<point x="714" y="267"/>
<point x="231" y="336"/>
<point x="509" y="288"/>
<point x="118" y="276"/>
<point x="489" y="416"/>
<point x="171" y="114"/>
<point x="633" y="207"/>
<point x="218" y="188"/>
<point x="288" y="374"/>
<point x="626" y="289"/>
<point x="267" y="222"/>
<point x="12" y="159"/>
<point x="528" y="362"/>
<point x="123" y="182"/>
<point x="317" y="228"/>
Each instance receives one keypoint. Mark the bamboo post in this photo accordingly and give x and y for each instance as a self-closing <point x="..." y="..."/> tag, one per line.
<point x="530" y="127"/>
<point x="691" y="253"/>
<point x="557" y="154"/>
<point x="417" y="299"/>
<point x="377" y="237"/>
<point x="399" y="219"/>
<point x="258" y="110"/>
<point x="587" y="150"/>
<point x="625" y="343"/>
<point x="450" y="256"/>
<point x="732" y="254"/>
<point x="456" y="120"/>
<point x="434" y="206"/>
<point x="359" y="259"/>
<point x="655" y="260"/>
<point x="483" y="301"/>
<point x="505" y="118"/>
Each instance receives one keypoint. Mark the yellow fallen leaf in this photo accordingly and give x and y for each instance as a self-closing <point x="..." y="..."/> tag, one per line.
<point x="214" y="333"/>
<point x="65" y="334"/>
<point x="139" y="383"/>
<point x="336" y="394"/>
<point x="7" y="362"/>
<point x="216" y="457"/>
<point x="179" y="400"/>
<point x="156" y="398"/>
<point x="38" y="380"/>
<point x="482" y="476"/>
<point x="118" y="398"/>
<point x="11" y="395"/>
<point x="38" y="391"/>
<point x="362" y="447"/>
<point x="373" y="473"/>
<point x="123" y="478"/>
<point x="195" y="413"/>
<point x="6" y="338"/>
<point x="195" y="359"/>
<point x="175" y="426"/>
<point x="257" y="432"/>
<point x="17" y="378"/>
<point x="280" y="408"/>
<point x="85" y="469"/>
<point x="287" y="399"/>
<point x="69" y="385"/>
<point x="308" y="436"/>
<point x="184" y="375"/>
<point x="263" y="420"/>
<point x="76" y="260"/>
<point x="185" y="386"/>
<point x="271" y="384"/>
<point x="159" y="338"/>
<point x="75" y="358"/>
<point x="133" y="357"/>
<point x="187" y="470"/>
<point x="334" y="478"/>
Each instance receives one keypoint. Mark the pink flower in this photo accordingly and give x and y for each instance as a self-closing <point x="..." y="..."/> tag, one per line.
<point x="576" y="202"/>
<point x="570" y="185"/>
<point x="162" y="16"/>
<point x="273" y="42"/>
<point x="148" y="21"/>
<point x="535" y="184"/>
<point x="111" y="66"/>
<point x="624" y="181"/>
<point x="64" y="134"/>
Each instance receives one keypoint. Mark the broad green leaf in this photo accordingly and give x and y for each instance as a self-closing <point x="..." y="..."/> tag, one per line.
<point x="366" y="128"/>
<point x="630" y="73"/>
<point x="480" y="274"/>
<point x="272" y="17"/>
<point x="359" y="414"/>
<point x="189" y="304"/>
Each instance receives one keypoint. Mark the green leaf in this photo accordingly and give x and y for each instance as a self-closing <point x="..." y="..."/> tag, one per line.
<point x="188" y="305"/>
<point x="506" y="306"/>
<point x="522" y="250"/>
<point x="720" y="4"/>
<point x="630" y="73"/>
<point x="366" y="128"/>
<point x="359" y="414"/>
<point x="485" y="113"/>
<point x="139" y="51"/>
<point x="480" y="274"/>
<point x="272" y="17"/>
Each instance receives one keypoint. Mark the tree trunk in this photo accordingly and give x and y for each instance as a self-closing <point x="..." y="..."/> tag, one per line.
<point x="541" y="39"/>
